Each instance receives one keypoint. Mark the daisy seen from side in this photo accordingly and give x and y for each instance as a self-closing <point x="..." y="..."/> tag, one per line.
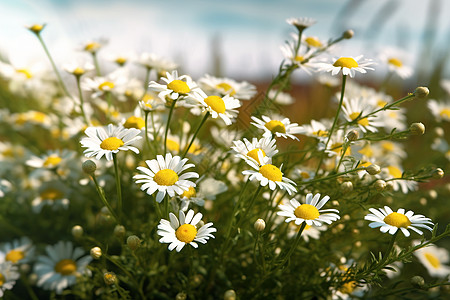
<point x="348" y="65"/>
<point x="249" y="150"/>
<point x="9" y="273"/>
<point x="439" y="109"/>
<point x="18" y="251"/>
<point x="433" y="258"/>
<point x="226" y="86"/>
<point x="175" y="86"/>
<point x="275" y="127"/>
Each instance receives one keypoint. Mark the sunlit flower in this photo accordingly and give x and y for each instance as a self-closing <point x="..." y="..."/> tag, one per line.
<point x="302" y="60"/>
<point x="185" y="230"/>
<point x="223" y="107"/>
<point x="114" y="83"/>
<point x="60" y="267"/>
<point x="439" y="109"/>
<point x="93" y="46"/>
<point x="391" y="221"/>
<point x="175" y="87"/>
<point x="394" y="171"/>
<point x="52" y="159"/>
<point x="313" y="42"/>
<point x="227" y="86"/>
<point x="310" y="212"/>
<point x="310" y="232"/>
<point x="155" y="62"/>
<point x="78" y="68"/>
<point x="164" y="175"/>
<point x="9" y="273"/>
<point x="52" y="193"/>
<point x="108" y="141"/>
<point x="301" y="23"/>
<point x="249" y="150"/>
<point x="433" y="258"/>
<point x="348" y="65"/>
<point x="151" y="103"/>
<point x="18" y="251"/>
<point x="395" y="61"/>
<point x="275" y="127"/>
<point x="354" y="109"/>
<point x="207" y="190"/>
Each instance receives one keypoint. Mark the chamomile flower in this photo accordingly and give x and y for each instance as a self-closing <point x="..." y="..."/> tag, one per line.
<point x="249" y="150"/>
<point x="207" y="190"/>
<point x="184" y="230"/>
<point x="301" y="23"/>
<point x="395" y="172"/>
<point x="439" y="109"/>
<point x="310" y="212"/>
<point x="51" y="160"/>
<point x="354" y="108"/>
<point x="108" y="141"/>
<point x="18" y="251"/>
<point x="175" y="87"/>
<point x="164" y="175"/>
<point x="52" y="193"/>
<point x="112" y="83"/>
<point x="9" y="273"/>
<point x="433" y="258"/>
<point x="348" y="65"/>
<point x="78" y="68"/>
<point x="60" y="267"/>
<point x="153" y="61"/>
<point x="94" y="45"/>
<point x="268" y="174"/>
<point x="227" y="86"/>
<point x="394" y="59"/>
<point x="390" y="221"/>
<point x="310" y="232"/>
<point x="316" y="129"/>
<point x="303" y="61"/>
<point x="275" y="127"/>
<point x="223" y="107"/>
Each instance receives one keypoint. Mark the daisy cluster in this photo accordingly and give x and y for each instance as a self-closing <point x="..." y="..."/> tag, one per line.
<point x="211" y="187"/>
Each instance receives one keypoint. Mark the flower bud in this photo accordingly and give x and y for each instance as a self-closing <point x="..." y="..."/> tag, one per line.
<point x="418" y="282"/>
<point x="438" y="173"/>
<point x="133" y="242"/>
<point x="389" y="186"/>
<point x="110" y="278"/>
<point x="260" y="225"/>
<point x="89" y="167"/>
<point x="353" y="135"/>
<point x="421" y="92"/>
<point x="348" y="34"/>
<point x="96" y="252"/>
<point x="417" y="128"/>
<point x="229" y="295"/>
<point x="77" y="231"/>
<point x="181" y="296"/>
<point x="347" y="187"/>
<point x="36" y="28"/>
<point x="379" y="185"/>
<point x="373" y="169"/>
<point x="119" y="231"/>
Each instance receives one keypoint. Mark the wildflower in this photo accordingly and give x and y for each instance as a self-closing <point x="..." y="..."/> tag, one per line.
<point x="108" y="141"/>
<point x="9" y="273"/>
<point x="316" y="129"/>
<point x="112" y="83"/>
<point x="354" y="108"/>
<point x="208" y="189"/>
<point x="52" y="193"/>
<point x="303" y="61"/>
<point x="391" y="221"/>
<point x="60" y="267"/>
<point x="433" y="258"/>
<point x="348" y="65"/>
<point x="274" y="127"/>
<point x="310" y="232"/>
<point x="52" y="159"/>
<point x="439" y="109"/>
<point x="94" y="45"/>
<point x="175" y="87"/>
<point x="301" y="23"/>
<point x="18" y="251"/>
<point x="259" y="225"/>
<point x="395" y="61"/>
<point x="394" y="171"/>
<point x="281" y="97"/>
<point x="110" y="278"/>
<point x="164" y="175"/>
<point x="78" y="68"/>
<point x="309" y="212"/>
<point x="36" y="29"/>
<point x="223" y="107"/>
<point x="153" y="61"/>
<point x="227" y="86"/>
<point x="249" y="150"/>
<point x="179" y="232"/>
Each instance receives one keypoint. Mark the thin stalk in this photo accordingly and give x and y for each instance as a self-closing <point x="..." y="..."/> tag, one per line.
<point x="292" y="249"/>
<point x="252" y="201"/>
<point x="195" y="134"/>
<point x="118" y="186"/>
<point x="147" y="141"/>
<point x="103" y="198"/>
<point x="389" y="248"/>
<point x="154" y="129"/>
<point x="96" y="64"/>
<point x="80" y="94"/>
<point x="147" y="77"/>
<point x="168" y="123"/>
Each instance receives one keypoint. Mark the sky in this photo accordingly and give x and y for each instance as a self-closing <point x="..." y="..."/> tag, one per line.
<point x="248" y="33"/>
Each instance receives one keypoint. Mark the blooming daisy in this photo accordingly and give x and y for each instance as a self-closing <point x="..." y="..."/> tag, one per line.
<point x="164" y="175"/>
<point x="433" y="258"/>
<point x="112" y="83"/>
<point x="227" y="86"/>
<point x="391" y="221"/>
<point x="301" y="23"/>
<point x="310" y="212"/>
<point x="53" y="193"/>
<point x="153" y="61"/>
<point x="182" y="231"/>
<point x="268" y="174"/>
<point x="93" y="46"/>
<point x="175" y="87"/>
<point x="108" y="141"/>
<point x="395" y="171"/>
<point x="52" y="159"/>
<point x="207" y="190"/>
<point x="354" y="108"/>
<point x="9" y="273"/>
<point x="303" y="61"/>
<point x="395" y="61"/>
<point x="439" y="109"/>
<point x="223" y="107"/>
<point x="60" y="267"/>
<point x="316" y="129"/>
<point x="283" y="128"/>
<point x="309" y="232"/>
<point x="249" y="150"/>
<point x="78" y="68"/>
<point x="348" y="65"/>
<point x="18" y="251"/>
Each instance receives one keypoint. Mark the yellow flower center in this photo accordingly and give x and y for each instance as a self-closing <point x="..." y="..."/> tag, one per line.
<point x="398" y="220"/>
<point x="433" y="260"/>
<point x="275" y="126"/>
<point x="305" y="175"/>
<point x="186" y="233"/>
<point x="445" y="113"/>
<point x="92" y="46"/>
<point x="271" y="172"/>
<point x="134" y="122"/>
<point x="381" y="103"/>
<point x="36" y="28"/>
<point x="51" y="194"/>
<point x="189" y="193"/>
<point x="78" y="71"/>
<point x="2" y="280"/>
<point x="111" y="143"/>
<point x="25" y="72"/>
<point x="394" y="172"/>
<point x="387" y="146"/>
<point x="346" y="62"/>
<point x="307" y="212"/>
<point x="120" y="61"/>
<point x="313" y="41"/>
<point x="66" y="267"/>
<point x="299" y="58"/>
<point x="395" y="62"/>
<point x="320" y="133"/>
<point x="14" y="256"/>
<point x="364" y="121"/>
<point x="173" y="146"/>
<point x="366" y="151"/>
<point x="166" y="177"/>
<point x="106" y="86"/>
<point x="254" y="154"/>
<point x="228" y="89"/>
<point x="348" y="287"/>
<point x="38" y="117"/>
<point x="52" y="161"/>
<point x="216" y="103"/>
<point x="179" y="86"/>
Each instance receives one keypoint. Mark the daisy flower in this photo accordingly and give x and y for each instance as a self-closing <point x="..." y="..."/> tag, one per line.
<point x="394" y="59"/>
<point x="310" y="232"/>
<point x="18" y="251"/>
<point x="164" y="175"/>
<point x="310" y="213"/>
<point x="316" y="129"/>
<point x="439" y="109"/>
<point x="175" y="87"/>
<point x="179" y="232"/>
<point x="93" y="46"/>
<point x="354" y="108"/>
<point x="9" y="273"/>
<point x="348" y="65"/>
<point x="301" y="23"/>
<point x="60" y="267"/>
<point x="303" y="61"/>
<point x="391" y="221"/>
<point x="155" y="62"/>
<point x="433" y="259"/>
<point x="394" y="171"/>
<point x="52" y="159"/>
<point x="283" y="128"/>
<point x="227" y="86"/>
<point x="53" y="193"/>
<point x="78" y="68"/>
<point x="223" y="107"/>
<point x="268" y="174"/>
<point x="108" y="141"/>
<point x="249" y="150"/>
<point x="112" y="83"/>
<point x="207" y="190"/>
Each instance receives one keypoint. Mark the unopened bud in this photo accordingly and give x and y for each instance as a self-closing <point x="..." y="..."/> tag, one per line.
<point x="229" y="295"/>
<point x="389" y="186"/>
<point x="96" y="252"/>
<point x="110" y="278"/>
<point x="77" y="231"/>
<point x="260" y="225"/>
<point x="353" y="135"/>
<point x="373" y="169"/>
<point x="133" y="242"/>
<point x="119" y="231"/>
<point x="347" y="187"/>
<point x="438" y="173"/>
<point x="417" y="128"/>
<point x="89" y="167"/>
<point x="348" y="34"/>
<point x="379" y="185"/>
<point x="418" y="282"/>
<point x="181" y="296"/>
<point x="421" y="92"/>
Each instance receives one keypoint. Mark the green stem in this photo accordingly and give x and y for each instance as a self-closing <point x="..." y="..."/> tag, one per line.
<point x="97" y="66"/>
<point x="252" y="201"/>
<point x="168" y="124"/>
<point x="128" y="274"/>
<point x="297" y="240"/>
<point x="80" y="94"/>
<point x="147" y="141"/>
<point x="147" y="77"/>
<point x="195" y="134"/>
<point x="389" y="248"/>
<point x="103" y="198"/>
<point x="154" y="130"/>
<point x="118" y="186"/>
